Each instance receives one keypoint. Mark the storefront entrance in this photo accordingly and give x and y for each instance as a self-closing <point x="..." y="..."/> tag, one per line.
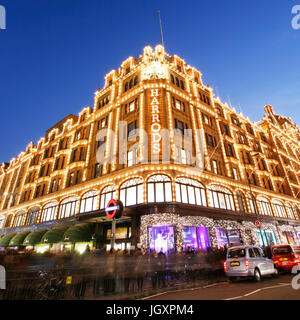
<point x="122" y="236"/>
<point x="266" y="238"/>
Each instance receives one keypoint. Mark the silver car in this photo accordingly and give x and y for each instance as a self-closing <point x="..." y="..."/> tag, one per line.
<point x="248" y="261"/>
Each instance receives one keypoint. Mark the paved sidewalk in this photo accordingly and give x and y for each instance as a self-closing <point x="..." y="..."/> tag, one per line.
<point x="148" y="291"/>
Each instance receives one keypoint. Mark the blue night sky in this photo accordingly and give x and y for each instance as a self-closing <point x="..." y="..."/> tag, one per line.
<point x="54" y="55"/>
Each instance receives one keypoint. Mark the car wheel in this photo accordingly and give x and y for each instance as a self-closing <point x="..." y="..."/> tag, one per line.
<point x="257" y="276"/>
<point x="276" y="273"/>
<point x="232" y="279"/>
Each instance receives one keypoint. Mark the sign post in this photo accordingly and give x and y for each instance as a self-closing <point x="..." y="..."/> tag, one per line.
<point x="114" y="211"/>
<point x="113" y="233"/>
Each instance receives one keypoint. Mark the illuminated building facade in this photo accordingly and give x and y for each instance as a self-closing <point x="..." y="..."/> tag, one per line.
<point x="250" y="171"/>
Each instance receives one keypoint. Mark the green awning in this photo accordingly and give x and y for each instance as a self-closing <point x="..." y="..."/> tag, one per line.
<point x="79" y="233"/>
<point x="18" y="239"/>
<point x="34" y="237"/>
<point x="4" y="241"/>
<point x="54" y="235"/>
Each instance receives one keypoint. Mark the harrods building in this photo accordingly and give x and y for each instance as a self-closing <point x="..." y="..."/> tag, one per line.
<point x="54" y="194"/>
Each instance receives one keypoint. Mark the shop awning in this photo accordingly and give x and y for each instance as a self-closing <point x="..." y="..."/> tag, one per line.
<point x="79" y="233"/>
<point x="54" y="235"/>
<point x="34" y="237"/>
<point x="18" y="239"/>
<point x="4" y="241"/>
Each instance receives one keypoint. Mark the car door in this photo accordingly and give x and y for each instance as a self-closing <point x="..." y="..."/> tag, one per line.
<point x="268" y="263"/>
<point x="261" y="261"/>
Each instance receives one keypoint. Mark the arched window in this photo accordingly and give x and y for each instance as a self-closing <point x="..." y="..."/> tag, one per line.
<point x="8" y="221"/>
<point x="251" y="199"/>
<point x="131" y="192"/>
<point x="264" y="205"/>
<point x="220" y="197"/>
<point x="67" y="208"/>
<point x="279" y="209"/>
<point x="159" y="188"/>
<point x="289" y="211"/>
<point x="296" y="211"/>
<point x="241" y="201"/>
<point x="107" y="194"/>
<point x="190" y="191"/>
<point x="49" y="211"/>
<point x="19" y="219"/>
<point x="89" y="202"/>
<point x="33" y="215"/>
<point x="136" y="79"/>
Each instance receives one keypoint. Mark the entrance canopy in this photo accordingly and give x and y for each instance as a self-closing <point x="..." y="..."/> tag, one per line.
<point x="54" y="235"/>
<point x="34" y="237"/>
<point x="4" y="241"/>
<point x="79" y="233"/>
<point x="18" y="239"/>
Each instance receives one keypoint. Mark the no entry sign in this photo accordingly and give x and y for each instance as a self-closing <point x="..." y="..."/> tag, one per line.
<point x="257" y="223"/>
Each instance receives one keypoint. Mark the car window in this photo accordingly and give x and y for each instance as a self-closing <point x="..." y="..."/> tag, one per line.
<point x="236" y="253"/>
<point x="297" y="250"/>
<point x="257" y="253"/>
<point x="251" y="253"/>
<point x="282" y="250"/>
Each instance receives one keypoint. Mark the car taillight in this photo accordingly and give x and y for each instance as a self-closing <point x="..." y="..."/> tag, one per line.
<point x="225" y="265"/>
<point x="247" y="264"/>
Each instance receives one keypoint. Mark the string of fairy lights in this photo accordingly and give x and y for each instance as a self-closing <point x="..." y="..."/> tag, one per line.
<point x="114" y="84"/>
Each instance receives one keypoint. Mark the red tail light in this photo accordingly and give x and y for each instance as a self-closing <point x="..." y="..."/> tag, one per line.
<point x="247" y="264"/>
<point x="225" y="266"/>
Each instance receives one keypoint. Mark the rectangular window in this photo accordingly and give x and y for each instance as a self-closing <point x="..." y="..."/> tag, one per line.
<point x="131" y="106"/>
<point x="230" y="152"/>
<point x="179" y="125"/>
<point x="215" y="166"/>
<point x="210" y="140"/>
<point x="53" y="186"/>
<point x="235" y="174"/>
<point x="71" y="179"/>
<point x="130" y="158"/>
<point x="183" y="156"/>
<point x="97" y="170"/>
<point x="177" y="104"/>
<point x="62" y="163"/>
<point x="74" y="155"/>
<point x="131" y="127"/>
<point x="58" y="184"/>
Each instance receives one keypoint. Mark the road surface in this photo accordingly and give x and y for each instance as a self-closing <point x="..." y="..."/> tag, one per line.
<point x="268" y="289"/>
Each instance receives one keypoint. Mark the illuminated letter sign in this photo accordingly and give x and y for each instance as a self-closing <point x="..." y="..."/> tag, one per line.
<point x="155" y="121"/>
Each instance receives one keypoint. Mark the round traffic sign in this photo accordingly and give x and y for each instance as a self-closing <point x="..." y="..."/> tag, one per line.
<point x="257" y="223"/>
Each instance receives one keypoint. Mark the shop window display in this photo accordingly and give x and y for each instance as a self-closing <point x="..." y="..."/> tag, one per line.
<point x="161" y="238"/>
<point x="195" y="237"/>
<point x="228" y="237"/>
